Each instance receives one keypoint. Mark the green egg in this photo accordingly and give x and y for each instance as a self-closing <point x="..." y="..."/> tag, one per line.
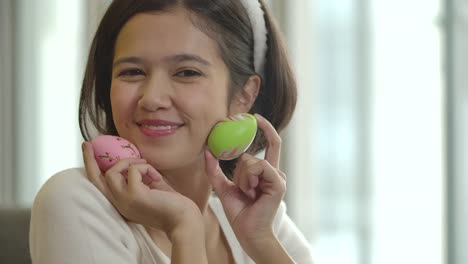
<point x="231" y="137"/>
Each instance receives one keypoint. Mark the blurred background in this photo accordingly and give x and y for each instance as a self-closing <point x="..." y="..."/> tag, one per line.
<point x="374" y="156"/>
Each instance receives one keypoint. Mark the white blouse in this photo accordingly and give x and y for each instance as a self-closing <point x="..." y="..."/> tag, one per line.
<point x="72" y="222"/>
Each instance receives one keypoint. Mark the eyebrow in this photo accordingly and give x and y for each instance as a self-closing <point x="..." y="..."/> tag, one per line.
<point x="135" y="60"/>
<point x="172" y="58"/>
<point x="187" y="57"/>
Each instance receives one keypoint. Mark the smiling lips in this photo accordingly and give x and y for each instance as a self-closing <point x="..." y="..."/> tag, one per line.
<point x="158" y="128"/>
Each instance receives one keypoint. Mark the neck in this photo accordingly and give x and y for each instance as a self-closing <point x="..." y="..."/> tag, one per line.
<point x="192" y="182"/>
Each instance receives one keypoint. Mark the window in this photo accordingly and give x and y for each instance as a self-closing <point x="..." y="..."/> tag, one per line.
<point x="365" y="154"/>
<point x="48" y="72"/>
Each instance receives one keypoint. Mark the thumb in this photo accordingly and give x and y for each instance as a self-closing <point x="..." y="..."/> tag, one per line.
<point x="215" y="174"/>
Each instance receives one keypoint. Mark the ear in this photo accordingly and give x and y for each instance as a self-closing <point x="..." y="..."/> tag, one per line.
<point x="245" y="98"/>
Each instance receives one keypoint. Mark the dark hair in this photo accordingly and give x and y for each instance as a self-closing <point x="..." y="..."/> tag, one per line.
<point x="227" y="22"/>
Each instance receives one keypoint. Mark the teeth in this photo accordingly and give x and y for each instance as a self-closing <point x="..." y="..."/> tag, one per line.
<point x="159" y="127"/>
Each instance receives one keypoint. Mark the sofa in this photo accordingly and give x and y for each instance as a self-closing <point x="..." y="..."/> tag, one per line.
<point x="14" y="235"/>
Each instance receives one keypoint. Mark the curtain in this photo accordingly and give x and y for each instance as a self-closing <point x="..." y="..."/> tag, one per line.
<point x="7" y="150"/>
<point x="457" y="120"/>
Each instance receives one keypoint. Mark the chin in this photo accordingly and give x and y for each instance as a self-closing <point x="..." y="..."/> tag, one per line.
<point x="165" y="162"/>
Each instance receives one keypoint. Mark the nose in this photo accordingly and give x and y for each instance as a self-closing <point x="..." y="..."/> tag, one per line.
<point x="156" y="94"/>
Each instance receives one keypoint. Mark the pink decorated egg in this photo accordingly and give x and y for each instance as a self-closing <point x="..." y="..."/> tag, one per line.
<point x="108" y="150"/>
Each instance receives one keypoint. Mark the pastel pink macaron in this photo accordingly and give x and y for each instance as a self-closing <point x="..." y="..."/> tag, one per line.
<point x="109" y="149"/>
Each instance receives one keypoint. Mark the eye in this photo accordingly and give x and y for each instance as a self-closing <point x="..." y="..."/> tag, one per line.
<point x="131" y="72"/>
<point x="188" y="73"/>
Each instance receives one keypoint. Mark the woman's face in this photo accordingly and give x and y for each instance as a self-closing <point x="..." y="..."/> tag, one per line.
<point x="169" y="87"/>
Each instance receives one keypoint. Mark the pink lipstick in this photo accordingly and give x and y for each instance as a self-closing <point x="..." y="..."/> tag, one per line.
<point x="158" y="128"/>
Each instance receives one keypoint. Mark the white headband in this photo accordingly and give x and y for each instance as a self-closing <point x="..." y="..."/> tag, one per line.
<point x="255" y="13"/>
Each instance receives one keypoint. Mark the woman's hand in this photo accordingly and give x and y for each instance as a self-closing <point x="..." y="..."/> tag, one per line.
<point x="252" y="199"/>
<point x="140" y="194"/>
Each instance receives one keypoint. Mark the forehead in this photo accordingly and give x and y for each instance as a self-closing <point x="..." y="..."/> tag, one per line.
<point x="163" y="33"/>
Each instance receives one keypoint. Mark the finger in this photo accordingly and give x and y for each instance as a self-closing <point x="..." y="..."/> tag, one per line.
<point x="273" y="149"/>
<point x="236" y="172"/>
<point x="93" y="172"/>
<point x="138" y="177"/>
<point x="116" y="176"/>
<point x="243" y="184"/>
<point x="122" y="165"/>
<point x="236" y="181"/>
<point x="116" y="182"/>
<point x="146" y="180"/>
<point x="253" y="181"/>
<point x="157" y="180"/>
<point x="244" y="175"/>
<point x="235" y="176"/>
<point x="282" y="174"/>
<point x="272" y="182"/>
<point x="92" y="169"/>
<point x="161" y="185"/>
<point x="216" y="176"/>
<point x="148" y="171"/>
<point x="134" y="178"/>
<point x="253" y="178"/>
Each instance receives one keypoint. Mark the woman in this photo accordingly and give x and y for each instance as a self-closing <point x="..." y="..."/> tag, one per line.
<point x="161" y="74"/>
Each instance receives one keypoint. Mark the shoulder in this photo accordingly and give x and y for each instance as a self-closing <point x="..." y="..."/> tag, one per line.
<point x="78" y="222"/>
<point x="69" y="188"/>
<point x="70" y="191"/>
<point x="64" y="182"/>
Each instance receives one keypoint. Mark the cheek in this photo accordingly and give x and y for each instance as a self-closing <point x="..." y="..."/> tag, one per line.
<point x="208" y="103"/>
<point x="121" y="103"/>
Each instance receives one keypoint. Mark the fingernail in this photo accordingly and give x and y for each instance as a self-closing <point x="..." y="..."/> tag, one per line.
<point x="154" y="176"/>
<point x="208" y="154"/>
<point x="253" y="181"/>
<point x="251" y="194"/>
<point x="259" y="117"/>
